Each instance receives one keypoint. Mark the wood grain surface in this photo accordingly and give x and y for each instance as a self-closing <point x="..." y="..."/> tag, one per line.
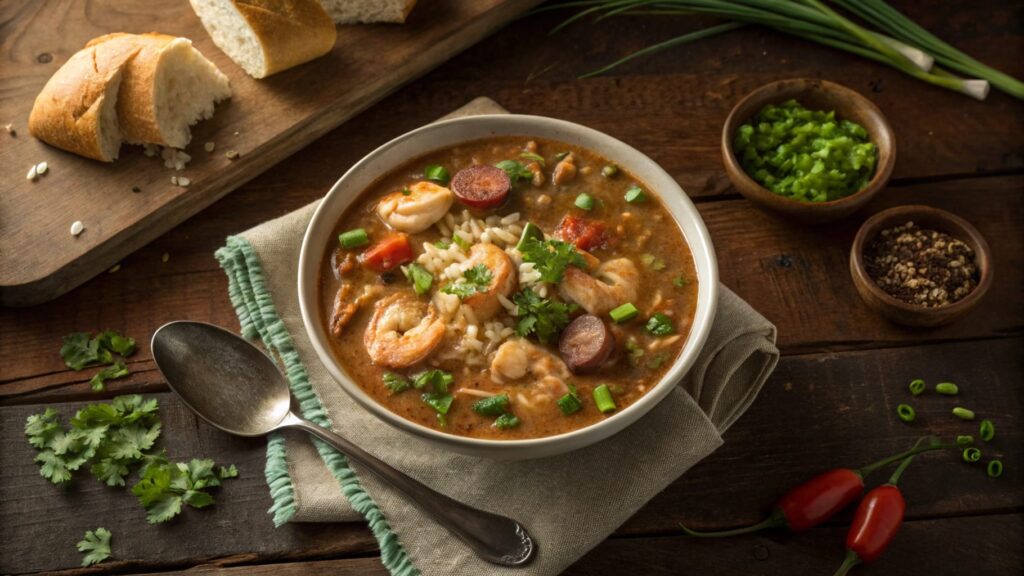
<point x="830" y="402"/>
<point x="264" y="121"/>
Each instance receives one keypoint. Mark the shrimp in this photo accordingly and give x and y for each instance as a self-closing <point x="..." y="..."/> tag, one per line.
<point x="345" y="308"/>
<point x="518" y="359"/>
<point x="485" y="304"/>
<point x="615" y="282"/>
<point x="425" y="204"/>
<point x="399" y="334"/>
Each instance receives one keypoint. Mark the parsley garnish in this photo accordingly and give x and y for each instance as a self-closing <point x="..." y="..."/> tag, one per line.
<point x="660" y="325"/>
<point x="79" y="351"/>
<point x="96" y="545"/>
<point x="476" y="279"/>
<point x="540" y="316"/>
<point x="396" y="382"/>
<point x="515" y="170"/>
<point x="438" y="380"/>
<point x="551" y="257"/>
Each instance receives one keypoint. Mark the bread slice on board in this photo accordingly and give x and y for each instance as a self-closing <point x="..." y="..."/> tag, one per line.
<point x="77" y="109"/>
<point x="167" y="87"/>
<point x="366" y="11"/>
<point x="267" y="36"/>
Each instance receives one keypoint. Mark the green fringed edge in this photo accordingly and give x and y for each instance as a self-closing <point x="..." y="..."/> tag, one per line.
<point x="256" y="312"/>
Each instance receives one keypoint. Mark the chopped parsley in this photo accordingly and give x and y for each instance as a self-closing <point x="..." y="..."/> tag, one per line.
<point x="551" y="257"/>
<point x="476" y="279"/>
<point x="437" y="174"/>
<point x="515" y="170"/>
<point x="506" y="421"/>
<point x="96" y="545"/>
<point x="421" y="279"/>
<point x="438" y="380"/>
<point x="441" y="403"/>
<point x="660" y="325"/>
<point x="396" y="383"/>
<point x="541" y="316"/>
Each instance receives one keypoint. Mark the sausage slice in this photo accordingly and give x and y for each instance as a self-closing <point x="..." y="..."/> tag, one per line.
<point x="481" y="186"/>
<point x="585" y="344"/>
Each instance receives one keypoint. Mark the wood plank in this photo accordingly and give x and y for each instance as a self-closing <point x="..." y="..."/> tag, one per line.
<point x="40" y="523"/>
<point x="843" y="401"/>
<point x="266" y="121"/>
<point x="778" y="267"/>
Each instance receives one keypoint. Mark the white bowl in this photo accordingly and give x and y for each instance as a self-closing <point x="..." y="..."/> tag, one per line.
<point x="448" y="133"/>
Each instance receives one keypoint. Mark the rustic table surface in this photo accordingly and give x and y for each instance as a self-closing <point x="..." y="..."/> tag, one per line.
<point x="830" y="402"/>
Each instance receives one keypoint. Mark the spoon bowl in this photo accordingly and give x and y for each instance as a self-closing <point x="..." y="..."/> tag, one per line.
<point x="236" y="387"/>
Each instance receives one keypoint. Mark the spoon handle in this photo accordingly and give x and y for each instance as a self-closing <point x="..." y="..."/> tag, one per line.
<point x="494" y="538"/>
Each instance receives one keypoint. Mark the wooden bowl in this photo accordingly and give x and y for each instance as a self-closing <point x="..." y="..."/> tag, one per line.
<point x="926" y="217"/>
<point x="814" y="95"/>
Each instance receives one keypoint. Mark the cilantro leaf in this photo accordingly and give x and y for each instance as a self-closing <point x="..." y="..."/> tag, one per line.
<point x="110" y="340"/>
<point x="96" y="545"/>
<point x="78" y="350"/>
<point x="117" y="370"/>
<point x="163" y="510"/>
<point x="476" y="279"/>
<point x="164" y="487"/>
<point x="516" y="171"/>
<point x="541" y="316"/>
<point x="551" y="257"/>
<point x="228" y="472"/>
<point x="396" y="383"/>
<point x="53" y="467"/>
<point x="110" y="471"/>
<point x="438" y="380"/>
<point x="41" y="428"/>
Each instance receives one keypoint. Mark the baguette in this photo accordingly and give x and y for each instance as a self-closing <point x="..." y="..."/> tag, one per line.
<point x="368" y="11"/>
<point x="267" y="36"/>
<point x="77" y="109"/>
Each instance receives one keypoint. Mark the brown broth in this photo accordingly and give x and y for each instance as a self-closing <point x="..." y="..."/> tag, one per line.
<point x="647" y="230"/>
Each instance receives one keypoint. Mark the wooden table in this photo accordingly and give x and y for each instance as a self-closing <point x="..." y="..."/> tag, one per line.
<point x="830" y="402"/>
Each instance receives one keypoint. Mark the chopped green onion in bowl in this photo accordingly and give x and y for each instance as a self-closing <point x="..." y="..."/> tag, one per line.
<point x="805" y="155"/>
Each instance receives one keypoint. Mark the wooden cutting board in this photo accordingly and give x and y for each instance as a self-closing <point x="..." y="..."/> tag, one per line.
<point x="265" y="121"/>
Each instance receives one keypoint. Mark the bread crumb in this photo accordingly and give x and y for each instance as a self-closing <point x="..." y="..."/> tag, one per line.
<point x="77" y="227"/>
<point x="114" y="268"/>
<point x="165" y="257"/>
<point x="237" y="132"/>
<point x="232" y="154"/>
<point x="41" y="168"/>
<point x="209" y="146"/>
<point x="174" y="180"/>
<point x="10" y="130"/>
<point x="174" y="158"/>
<point x="32" y="174"/>
<point x="183" y="182"/>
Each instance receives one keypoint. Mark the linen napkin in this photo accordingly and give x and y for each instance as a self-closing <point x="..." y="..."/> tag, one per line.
<point x="552" y="497"/>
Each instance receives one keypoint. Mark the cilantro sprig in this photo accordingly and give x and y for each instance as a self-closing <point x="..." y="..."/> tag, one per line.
<point x="551" y="257"/>
<point x="79" y="351"/>
<point x="541" y="316"/>
<point x="516" y="170"/>
<point x="476" y="279"/>
<point x="96" y="545"/>
<point x="166" y="486"/>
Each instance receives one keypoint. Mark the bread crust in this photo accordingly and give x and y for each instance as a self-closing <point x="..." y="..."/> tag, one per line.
<point x="291" y="32"/>
<point x="67" y="112"/>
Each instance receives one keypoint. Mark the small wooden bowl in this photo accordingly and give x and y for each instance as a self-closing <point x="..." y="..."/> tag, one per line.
<point x="926" y="217"/>
<point x="813" y="95"/>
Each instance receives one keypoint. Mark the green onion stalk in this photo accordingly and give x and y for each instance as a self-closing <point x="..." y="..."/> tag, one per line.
<point x="903" y="45"/>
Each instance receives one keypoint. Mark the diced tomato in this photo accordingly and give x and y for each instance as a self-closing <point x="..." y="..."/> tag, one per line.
<point x="584" y="234"/>
<point x="387" y="254"/>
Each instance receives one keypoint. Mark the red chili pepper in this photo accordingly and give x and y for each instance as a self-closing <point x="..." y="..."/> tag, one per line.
<point x="387" y="254"/>
<point x="582" y="233"/>
<point x="820" y="498"/>
<point x="876" y="522"/>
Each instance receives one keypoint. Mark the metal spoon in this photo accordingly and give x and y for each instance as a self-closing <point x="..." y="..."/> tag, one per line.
<point x="236" y="387"/>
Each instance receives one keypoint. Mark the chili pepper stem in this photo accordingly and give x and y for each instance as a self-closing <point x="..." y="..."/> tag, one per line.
<point x="776" y="520"/>
<point x="895" y="478"/>
<point x="933" y="444"/>
<point x="849" y="562"/>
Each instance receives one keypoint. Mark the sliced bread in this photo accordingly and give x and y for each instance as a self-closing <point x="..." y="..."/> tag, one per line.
<point x="77" y="109"/>
<point x="267" y="36"/>
<point x="367" y="11"/>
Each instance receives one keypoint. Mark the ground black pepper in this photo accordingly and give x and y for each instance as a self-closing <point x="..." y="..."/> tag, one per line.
<point x="920" y="266"/>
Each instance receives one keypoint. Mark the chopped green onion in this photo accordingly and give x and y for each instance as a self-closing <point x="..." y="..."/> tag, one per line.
<point x="964" y="440"/>
<point x="570" y="403"/>
<point x="530" y="231"/>
<point x="994" y="469"/>
<point x="585" y="201"/>
<point x="437" y="174"/>
<point x="353" y="238"/>
<point x="947" y="388"/>
<point x="906" y="412"/>
<point x="396" y="382"/>
<point x="624" y="313"/>
<point x="506" y="421"/>
<point x="609" y="170"/>
<point x="535" y="157"/>
<point x="971" y="455"/>
<point x="963" y="413"/>
<point x="438" y="380"/>
<point x="419" y="276"/>
<point x="461" y="242"/>
<point x="660" y="325"/>
<point x="439" y="402"/>
<point x="491" y="406"/>
<point x="635" y="195"/>
<point x="987" y="431"/>
<point x="917" y="387"/>
<point x="603" y="399"/>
